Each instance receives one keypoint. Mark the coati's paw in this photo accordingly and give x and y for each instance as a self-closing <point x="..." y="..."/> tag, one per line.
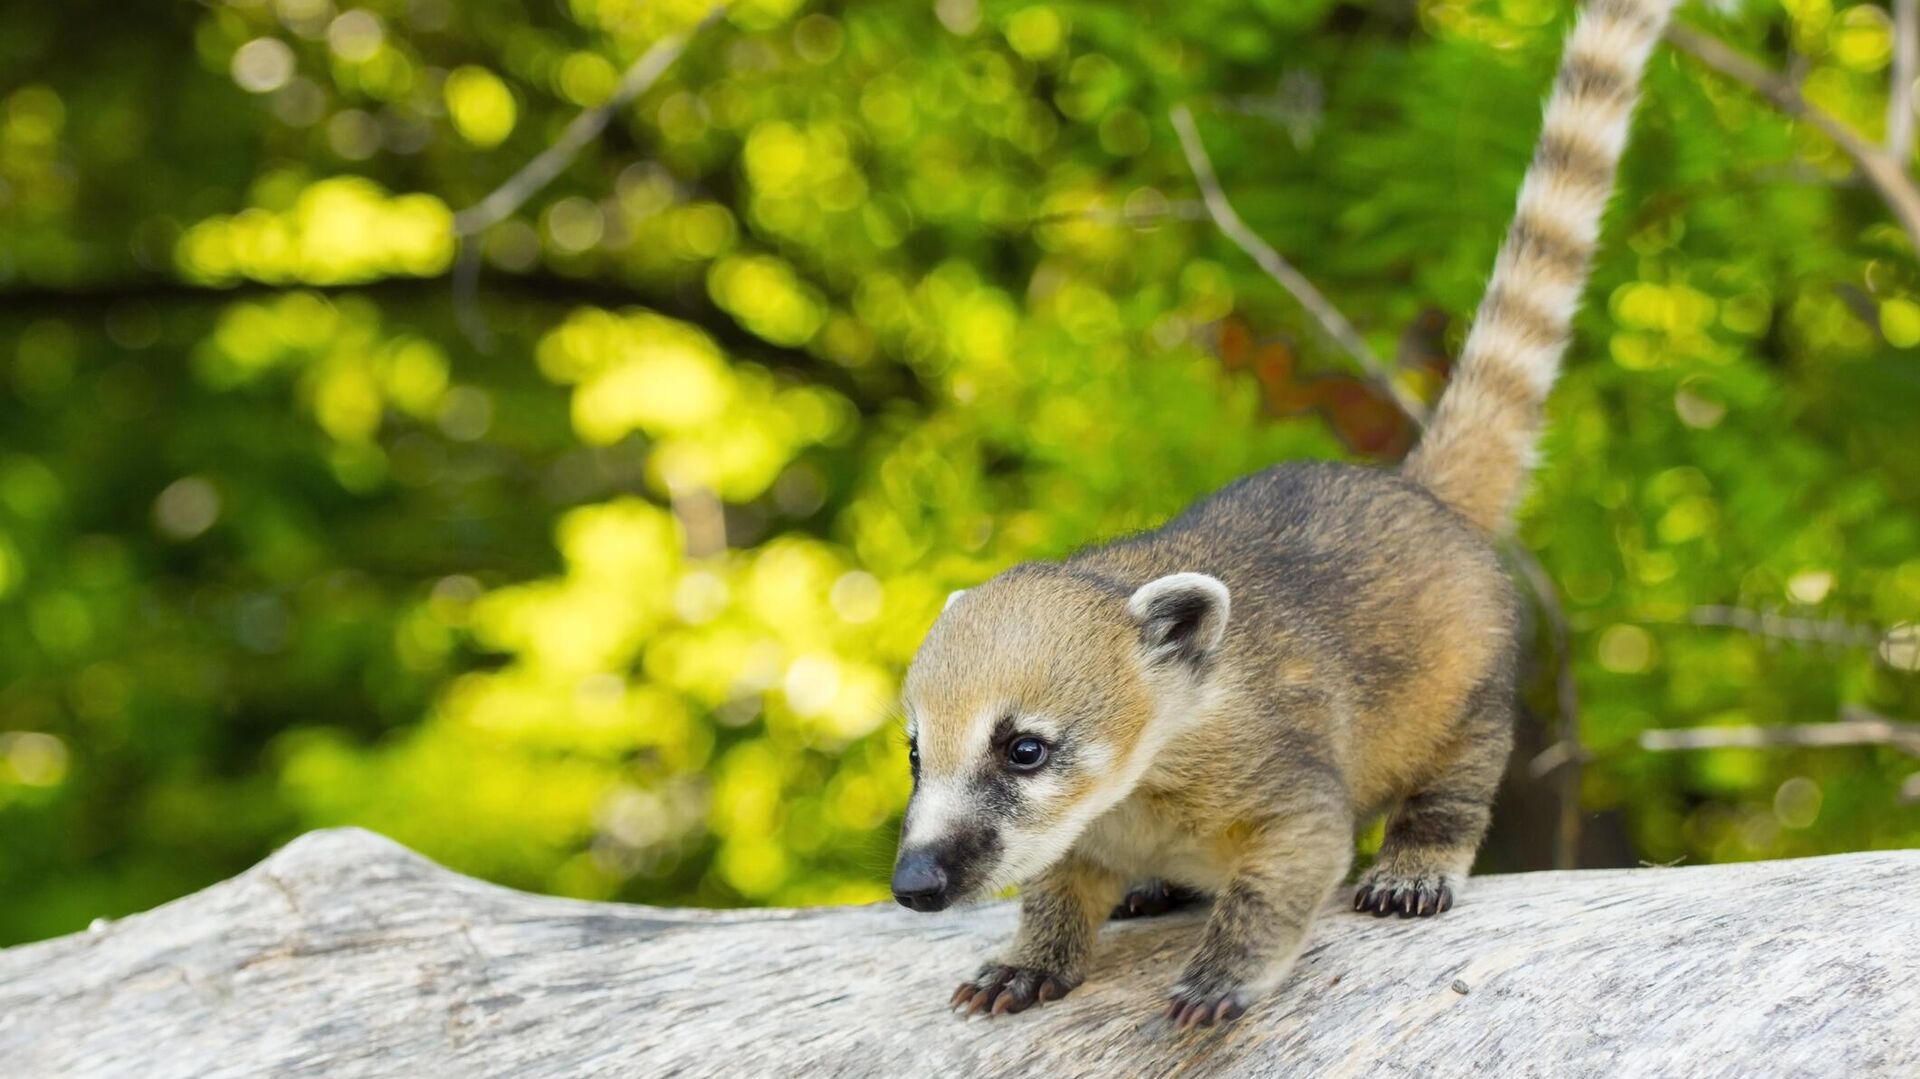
<point x="999" y="988"/>
<point x="1409" y="897"/>
<point x="1155" y="897"/>
<point x="1200" y="1005"/>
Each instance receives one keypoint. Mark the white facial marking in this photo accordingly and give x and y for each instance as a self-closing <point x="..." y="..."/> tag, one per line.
<point x="1095" y="757"/>
<point x="936" y="805"/>
<point x="942" y="800"/>
<point x="979" y="733"/>
<point x="1040" y="726"/>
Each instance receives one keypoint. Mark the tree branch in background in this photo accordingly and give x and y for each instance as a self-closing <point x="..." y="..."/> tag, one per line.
<point x="1783" y="627"/>
<point x="1906" y="59"/>
<point x="1855" y="727"/>
<point x="1881" y="169"/>
<point x="551" y="162"/>
<point x="872" y="390"/>
<point x="467" y="315"/>
<point x="1571" y="755"/>
<point x="1328" y="316"/>
<point x="502" y="201"/>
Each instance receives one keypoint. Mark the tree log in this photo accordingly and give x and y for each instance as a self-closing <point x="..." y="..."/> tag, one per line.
<point x="345" y="954"/>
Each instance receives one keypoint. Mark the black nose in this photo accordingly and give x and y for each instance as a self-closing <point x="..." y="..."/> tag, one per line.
<point x="918" y="881"/>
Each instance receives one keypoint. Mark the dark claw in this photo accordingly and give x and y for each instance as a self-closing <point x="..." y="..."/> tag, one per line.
<point x="1154" y="897"/>
<point x="1416" y="901"/>
<point x="1186" y="1014"/>
<point x="1427" y="902"/>
<point x="999" y="990"/>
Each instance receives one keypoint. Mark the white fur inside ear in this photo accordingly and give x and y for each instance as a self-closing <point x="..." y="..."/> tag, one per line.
<point x="952" y="598"/>
<point x="1183" y="612"/>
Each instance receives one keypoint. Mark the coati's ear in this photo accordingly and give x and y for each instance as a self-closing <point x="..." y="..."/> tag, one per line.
<point x="1181" y="616"/>
<point x="952" y="598"/>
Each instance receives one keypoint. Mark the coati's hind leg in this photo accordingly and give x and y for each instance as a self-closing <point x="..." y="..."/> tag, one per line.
<point x="1155" y="897"/>
<point x="1434" y="833"/>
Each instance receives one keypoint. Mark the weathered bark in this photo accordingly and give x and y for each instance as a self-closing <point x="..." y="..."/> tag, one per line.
<point x="346" y="955"/>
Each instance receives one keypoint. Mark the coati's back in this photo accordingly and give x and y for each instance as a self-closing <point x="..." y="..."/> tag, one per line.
<point x="1396" y="604"/>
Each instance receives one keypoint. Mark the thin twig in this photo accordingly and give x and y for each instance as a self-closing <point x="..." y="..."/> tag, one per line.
<point x="536" y="174"/>
<point x="1328" y="316"/>
<point x="1555" y="756"/>
<point x="1774" y="625"/>
<point x="1906" y="61"/>
<point x="1566" y="848"/>
<point x="1880" y="168"/>
<point x="467" y="312"/>
<point x="551" y="162"/>
<point x="1855" y="727"/>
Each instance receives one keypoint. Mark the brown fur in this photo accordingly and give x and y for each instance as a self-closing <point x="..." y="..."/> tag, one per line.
<point x="1223" y="699"/>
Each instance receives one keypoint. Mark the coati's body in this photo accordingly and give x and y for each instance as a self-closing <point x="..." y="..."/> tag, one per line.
<point x="1220" y="702"/>
<point x="1369" y="622"/>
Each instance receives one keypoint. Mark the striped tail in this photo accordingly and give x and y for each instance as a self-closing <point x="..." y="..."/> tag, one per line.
<point x="1480" y="447"/>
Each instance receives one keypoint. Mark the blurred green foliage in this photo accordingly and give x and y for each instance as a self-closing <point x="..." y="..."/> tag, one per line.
<point x="860" y="304"/>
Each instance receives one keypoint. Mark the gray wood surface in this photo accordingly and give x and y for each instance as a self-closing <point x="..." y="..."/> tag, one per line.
<point x="347" y="955"/>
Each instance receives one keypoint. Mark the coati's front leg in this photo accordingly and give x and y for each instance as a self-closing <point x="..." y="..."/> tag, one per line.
<point x="1059" y="914"/>
<point x="1434" y="833"/>
<point x="1285" y="870"/>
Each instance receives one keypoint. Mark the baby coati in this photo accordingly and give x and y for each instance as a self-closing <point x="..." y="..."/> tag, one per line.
<point x="1219" y="702"/>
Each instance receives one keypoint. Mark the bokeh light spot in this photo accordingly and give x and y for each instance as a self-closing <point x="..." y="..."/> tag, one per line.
<point x="480" y="105"/>
<point x="186" y="508"/>
<point x="262" y="65"/>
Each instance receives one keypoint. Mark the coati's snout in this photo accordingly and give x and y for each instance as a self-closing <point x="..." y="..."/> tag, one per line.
<point x="933" y="876"/>
<point x="920" y="881"/>
<point x="1036" y="703"/>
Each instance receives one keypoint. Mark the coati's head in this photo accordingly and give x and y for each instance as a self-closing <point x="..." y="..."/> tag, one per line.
<point x="1035" y="704"/>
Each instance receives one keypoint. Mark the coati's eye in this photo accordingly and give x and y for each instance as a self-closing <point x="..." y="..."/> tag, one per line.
<point x="1026" y="754"/>
<point x="913" y="757"/>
